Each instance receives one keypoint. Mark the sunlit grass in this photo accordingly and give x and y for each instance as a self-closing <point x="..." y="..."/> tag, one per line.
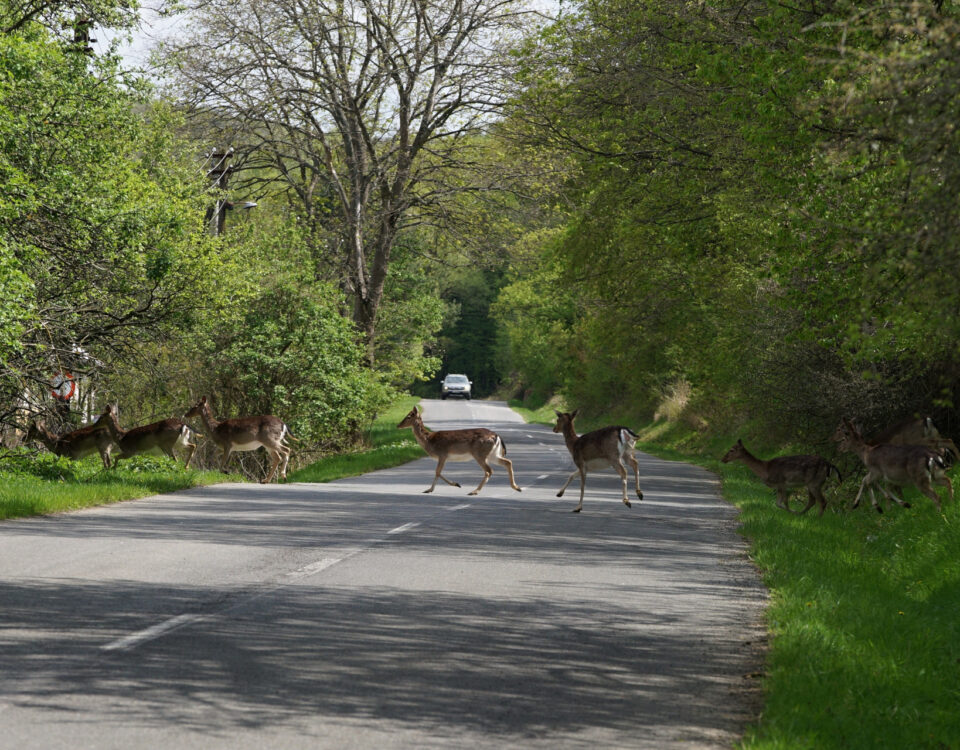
<point x="32" y="485"/>
<point x="864" y="618"/>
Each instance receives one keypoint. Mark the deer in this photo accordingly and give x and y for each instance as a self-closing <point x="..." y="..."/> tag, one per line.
<point x="246" y="434"/>
<point x="608" y="446"/>
<point x="480" y="444"/>
<point x="79" y="443"/>
<point x="898" y="465"/>
<point x="159" y="437"/>
<point x="785" y="473"/>
<point x="916" y="431"/>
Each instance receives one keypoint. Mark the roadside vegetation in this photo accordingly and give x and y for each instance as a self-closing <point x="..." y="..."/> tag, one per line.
<point x="38" y="485"/>
<point x="387" y="446"/>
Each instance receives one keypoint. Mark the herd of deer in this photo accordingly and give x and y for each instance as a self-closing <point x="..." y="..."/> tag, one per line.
<point x="105" y="435"/>
<point x="911" y="452"/>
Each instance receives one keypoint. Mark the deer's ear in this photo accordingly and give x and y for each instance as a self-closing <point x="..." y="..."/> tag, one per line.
<point x="574" y="413"/>
<point x="557" y="413"/>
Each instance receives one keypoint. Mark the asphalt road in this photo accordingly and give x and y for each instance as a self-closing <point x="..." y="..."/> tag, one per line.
<point x="364" y="614"/>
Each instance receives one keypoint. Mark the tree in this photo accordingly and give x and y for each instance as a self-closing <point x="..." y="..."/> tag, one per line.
<point x="362" y="109"/>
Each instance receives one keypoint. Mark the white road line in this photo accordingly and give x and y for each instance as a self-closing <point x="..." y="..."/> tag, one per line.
<point x="314" y="567"/>
<point x="543" y="476"/>
<point x="148" y="634"/>
<point x="405" y="527"/>
<point x="460" y="507"/>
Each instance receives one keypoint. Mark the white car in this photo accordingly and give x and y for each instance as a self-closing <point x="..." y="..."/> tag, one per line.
<point x="455" y="385"/>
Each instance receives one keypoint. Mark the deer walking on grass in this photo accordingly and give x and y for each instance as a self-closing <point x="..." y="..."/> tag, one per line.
<point x="246" y="434"/>
<point x="897" y="465"/>
<point x="478" y="443"/>
<point x="606" y="447"/>
<point x="916" y="431"/>
<point x="159" y="437"/>
<point x="788" y="472"/>
<point x="79" y="443"/>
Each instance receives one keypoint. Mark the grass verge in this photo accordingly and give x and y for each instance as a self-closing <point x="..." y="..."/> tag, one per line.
<point x="35" y="485"/>
<point x="864" y="615"/>
<point x="390" y="447"/>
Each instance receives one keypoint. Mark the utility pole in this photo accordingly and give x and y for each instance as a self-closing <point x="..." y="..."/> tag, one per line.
<point x="81" y="36"/>
<point x="219" y="175"/>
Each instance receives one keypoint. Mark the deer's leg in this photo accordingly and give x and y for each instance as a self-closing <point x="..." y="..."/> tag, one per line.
<point x="632" y="460"/>
<point x="945" y="481"/>
<point x="811" y="499"/>
<point x="583" y="485"/>
<point x="275" y="455"/>
<point x="191" y="447"/>
<point x="287" y="450"/>
<point x="897" y="500"/>
<point x="438" y="475"/>
<point x="864" y="484"/>
<point x="783" y="499"/>
<point x="508" y="464"/>
<point x="622" y="471"/>
<point x="821" y="498"/>
<point x="227" y="450"/>
<point x="487" y="473"/>
<point x="105" y="457"/>
<point x="569" y="479"/>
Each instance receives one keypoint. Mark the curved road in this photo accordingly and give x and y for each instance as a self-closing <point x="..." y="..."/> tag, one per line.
<point x="364" y="614"/>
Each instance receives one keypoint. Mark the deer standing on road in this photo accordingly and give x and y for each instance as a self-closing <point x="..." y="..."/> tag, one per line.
<point x="898" y="465"/>
<point x="158" y="437"/>
<point x="246" y="434"/>
<point x="788" y="472"/>
<point x="608" y="446"/>
<point x="79" y="443"/>
<point x="481" y="444"/>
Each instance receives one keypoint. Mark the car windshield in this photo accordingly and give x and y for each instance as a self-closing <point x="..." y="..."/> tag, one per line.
<point x="456" y="378"/>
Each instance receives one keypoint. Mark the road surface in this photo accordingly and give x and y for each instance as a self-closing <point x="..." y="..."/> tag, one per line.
<point x="365" y="614"/>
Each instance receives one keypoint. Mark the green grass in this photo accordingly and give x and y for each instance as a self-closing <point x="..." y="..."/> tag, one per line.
<point x="34" y="485"/>
<point x="543" y="414"/>
<point x="390" y="447"/>
<point x="864" y="614"/>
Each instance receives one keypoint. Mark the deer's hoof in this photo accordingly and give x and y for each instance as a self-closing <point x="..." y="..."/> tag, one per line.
<point x="627" y="503"/>
<point x="639" y="495"/>
<point x="560" y="494"/>
<point x="575" y="510"/>
<point x="906" y="504"/>
<point x="427" y="491"/>
<point x="473" y="493"/>
<point x="879" y="509"/>
<point x="456" y="484"/>
<point x="518" y="489"/>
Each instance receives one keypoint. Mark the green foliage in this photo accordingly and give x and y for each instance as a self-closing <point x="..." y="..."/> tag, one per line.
<point x="762" y="209"/>
<point x="386" y="446"/>
<point x="291" y="353"/>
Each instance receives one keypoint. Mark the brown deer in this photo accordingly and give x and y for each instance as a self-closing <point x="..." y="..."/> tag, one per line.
<point x="897" y="465"/>
<point x="246" y="434"/>
<point x="79" y="443"/>
<point x="158" y="437"/>
<point x="915" y="431"/>
<point x="606" y="447"/>
<point x="785" y="473"/>
<point x="481" y="444"/>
